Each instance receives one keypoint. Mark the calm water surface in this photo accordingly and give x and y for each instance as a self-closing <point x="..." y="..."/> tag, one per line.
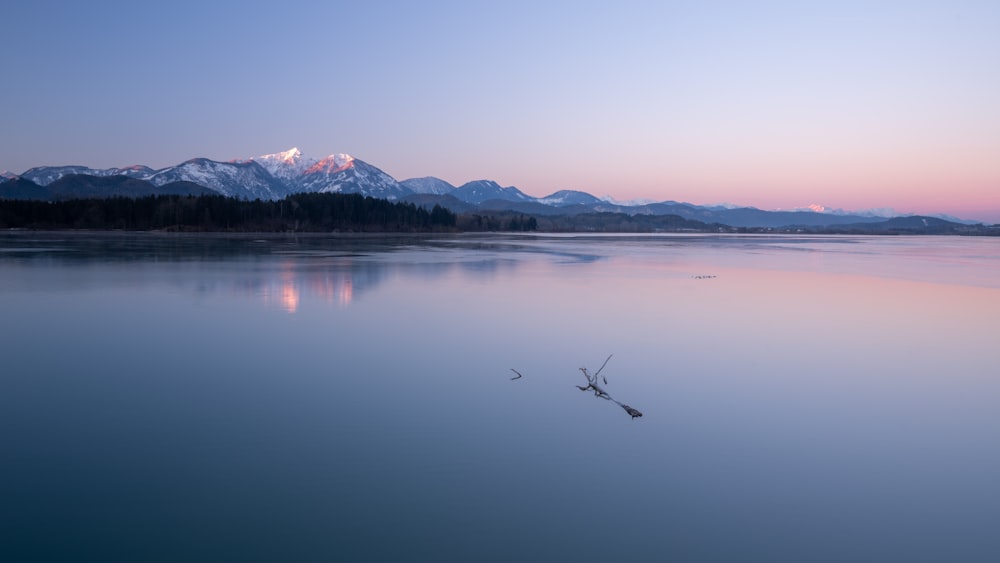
<point x="212" y="398"/>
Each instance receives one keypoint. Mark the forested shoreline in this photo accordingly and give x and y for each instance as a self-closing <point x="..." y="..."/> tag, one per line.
<point x="215" y="213"/>
<point x="335" y="212"/>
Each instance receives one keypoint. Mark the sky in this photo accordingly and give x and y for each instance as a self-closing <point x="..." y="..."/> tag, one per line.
<point x="778" y="105"/>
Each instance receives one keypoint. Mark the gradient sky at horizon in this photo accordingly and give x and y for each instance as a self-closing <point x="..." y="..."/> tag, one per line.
<point x="851" y="105"/>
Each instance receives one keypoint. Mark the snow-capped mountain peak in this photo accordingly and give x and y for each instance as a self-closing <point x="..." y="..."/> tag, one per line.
<point x="287" y="165"/>
<point x="290" y="156"/>
<point x="332" y="164"/>
<point x="343" y="173"/>
<point x="239" y="179"/>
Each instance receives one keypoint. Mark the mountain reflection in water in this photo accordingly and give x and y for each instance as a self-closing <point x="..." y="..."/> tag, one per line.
<point x="319" y="398"/>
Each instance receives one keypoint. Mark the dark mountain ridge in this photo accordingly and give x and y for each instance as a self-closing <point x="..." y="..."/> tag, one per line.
<point x="82" y="186"/>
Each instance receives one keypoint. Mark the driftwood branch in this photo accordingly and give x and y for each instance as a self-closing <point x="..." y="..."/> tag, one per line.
<point x="593" y="385"/>
<point x="601" y="393"/>
<point x="606" y="360"/>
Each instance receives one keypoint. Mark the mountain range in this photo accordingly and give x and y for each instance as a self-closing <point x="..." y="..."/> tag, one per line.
<point x="274" y="176"/>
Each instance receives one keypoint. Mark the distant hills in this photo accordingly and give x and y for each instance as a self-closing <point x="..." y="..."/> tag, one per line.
<point x="275" y="176"/>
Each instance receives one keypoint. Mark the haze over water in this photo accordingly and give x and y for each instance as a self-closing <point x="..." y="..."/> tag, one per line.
<point x="170" y="398"/>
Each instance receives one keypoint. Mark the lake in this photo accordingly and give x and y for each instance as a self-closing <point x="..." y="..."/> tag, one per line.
<point x="352" y="398"/>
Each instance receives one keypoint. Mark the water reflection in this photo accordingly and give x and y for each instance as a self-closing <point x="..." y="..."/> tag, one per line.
<point x="286" y="272"/>
<point x="349" y="398"/>
<point x="291" y="272"/>
<point x="331" y="287"/>
<point x="287" y="294"/>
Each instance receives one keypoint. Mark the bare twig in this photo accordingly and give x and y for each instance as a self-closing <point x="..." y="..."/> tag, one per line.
<point x="602" y="368"/>
<point x="592" y="385"/>
<point x="600" y="392"/>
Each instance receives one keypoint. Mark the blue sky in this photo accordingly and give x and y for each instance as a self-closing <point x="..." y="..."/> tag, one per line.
<point x="774" y="104"/>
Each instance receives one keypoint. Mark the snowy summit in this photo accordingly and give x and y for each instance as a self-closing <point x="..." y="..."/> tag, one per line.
<point x="285" y="165"/>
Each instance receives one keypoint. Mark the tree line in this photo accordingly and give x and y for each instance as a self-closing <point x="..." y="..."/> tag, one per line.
<point x="309" y="212"/>
<point x="306" y="212"/>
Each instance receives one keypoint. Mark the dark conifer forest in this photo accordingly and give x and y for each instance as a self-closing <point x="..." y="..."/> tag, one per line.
<point x="355" y="213"/>
<point x="307" y="212"/>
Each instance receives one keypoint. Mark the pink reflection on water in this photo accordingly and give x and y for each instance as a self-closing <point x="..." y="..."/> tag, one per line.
<point x="283" y="290"/>
<point x="293" y="287"/>
<point x="332" y="289"/>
